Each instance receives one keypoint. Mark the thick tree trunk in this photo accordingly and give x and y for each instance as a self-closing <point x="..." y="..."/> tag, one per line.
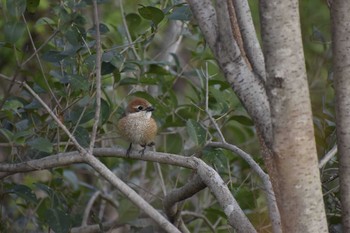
<point x="299" y="194"/>
<point x="341" y="66"/>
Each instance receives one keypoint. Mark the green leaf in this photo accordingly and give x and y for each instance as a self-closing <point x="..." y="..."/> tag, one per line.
<point x="133" y="20"/>
<point x="45" y="21"/>
<point x="128" y="81"/>
<point x="182" y="13"/>
<point x="103" y="29"/>
<point x="152" y="13"/>
<point x="157" y="69"/>
<point x="79" y="83"/>
<point x="23" y="192"/>
<point x="53" y="56"/>
<point x="33" y="105"/>
<point x="74" y="36"/>
<point x="107" y="68"/>
<point x="7" y="133"/>
<point x="58" y="220"/>
<point x="130" y="212"/>
<point x="215" y="212"/>
<point x="82" y="136"/>
<point x="12" y="105"/>
<point x="32" y="5"/>
<point x="54" y="197"/>
<point x="13" y="31"/>
<point x="223" y="85"/>
<point x="105" y="111"/>
<point x="174" y="144"/>
<point x="41" y="144"/>
<point x="242" y="119"/>
<point x="16" y="7"/>
<point x="216" y="157"/>
<point x="196" y="132"/>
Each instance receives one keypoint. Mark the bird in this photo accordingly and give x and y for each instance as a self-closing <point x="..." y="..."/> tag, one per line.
<point x="137" y="125"/>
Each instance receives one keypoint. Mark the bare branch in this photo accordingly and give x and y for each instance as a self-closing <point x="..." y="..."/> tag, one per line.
<point x="177" y="195"/>
<point x="250" y="41"/>
<point x="130" y="194"/>
<point x="98" y="77"/>
<point x="341" y="60"/>
<point x="237" y="32"/>
<point x="96" y="228"/>
<point x="205" y="219"/>
<point x="270" y="195"/>
<point x="68" y="158"/>
<point x="216" y="27"/>
<point x="236" y="217"/>
<point x="99" y="167"/>
<point x="205" y="14"/>
<point x="128" y="36"/>
<point x="330" y="154"/>
<point x="39" y="62"/>
<point x="89" y="207"/>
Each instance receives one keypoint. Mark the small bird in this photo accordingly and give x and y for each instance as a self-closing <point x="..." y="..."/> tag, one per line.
<point x="137" y="125"/>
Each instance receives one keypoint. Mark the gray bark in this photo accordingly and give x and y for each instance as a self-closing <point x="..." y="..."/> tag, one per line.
<point x="299" y="194"/>
<point x="250" y="40"/>
<point x="216" y="28"/>
<point x="341" y="67"/>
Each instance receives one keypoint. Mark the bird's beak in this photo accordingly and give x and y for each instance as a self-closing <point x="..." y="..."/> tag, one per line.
<point x="149" y="109"/>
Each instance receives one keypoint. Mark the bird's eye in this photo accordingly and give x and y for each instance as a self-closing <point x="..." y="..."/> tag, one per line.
<point x="140" y="108"/>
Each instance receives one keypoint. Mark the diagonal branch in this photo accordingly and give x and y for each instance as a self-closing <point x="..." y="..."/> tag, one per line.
<point x="89" y="158"/>
<point x="177" y="195"/>
<point x="212" y="180"/>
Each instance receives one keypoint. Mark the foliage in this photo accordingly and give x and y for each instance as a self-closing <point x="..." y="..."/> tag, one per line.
<point x="50" y="45"/>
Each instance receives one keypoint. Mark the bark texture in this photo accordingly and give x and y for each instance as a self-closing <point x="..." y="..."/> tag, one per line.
<point x="341" y="67"/>
<point x="298" y="187"/>
<point x="216" y="28"/>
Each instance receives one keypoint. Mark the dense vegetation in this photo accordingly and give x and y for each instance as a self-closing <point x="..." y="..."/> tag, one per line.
<point x="51" y="46"/>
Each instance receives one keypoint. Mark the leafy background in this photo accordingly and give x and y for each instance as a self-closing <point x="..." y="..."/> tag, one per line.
<point x="136" y="36"/>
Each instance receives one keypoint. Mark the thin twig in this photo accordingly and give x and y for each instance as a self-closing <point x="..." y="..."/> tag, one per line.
<point x="330" y="154"/>
<point x="159" y="171"/>
<point x="89" y="207"/>
<point x="206" y="76"/>
<point x="98" y="78"/>
<point x="205" y="219"/>
<point x="40" y="64"/>
<point x="36" y="51"/>
<point x="128" y="36"/>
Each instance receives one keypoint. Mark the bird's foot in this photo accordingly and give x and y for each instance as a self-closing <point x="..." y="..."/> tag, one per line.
<point x="142" y="152"/>
<point x="128" y="151"/>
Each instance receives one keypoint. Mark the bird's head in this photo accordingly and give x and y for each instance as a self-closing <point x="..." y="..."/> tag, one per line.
<point x="139" y="107"/>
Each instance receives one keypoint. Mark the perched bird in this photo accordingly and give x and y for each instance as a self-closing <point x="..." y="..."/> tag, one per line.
<point x="137" y="125"/>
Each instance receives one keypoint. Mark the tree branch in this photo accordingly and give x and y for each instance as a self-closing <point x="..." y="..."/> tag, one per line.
<point x="130" y="194"/>
<point x="89" y="158"/>
<point x="234" y="213"/>
<point x="96" y="228"/>
<point x="205" y="14"/>
<point x="330" y="154"/>
<point x="98" y="78"/>
<point x="236" y="217"/>
<point x="250" y="41"/>
<point x="177" y="195"/>
<point x="270" y="195"/>
<point x="216" y="28"/>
